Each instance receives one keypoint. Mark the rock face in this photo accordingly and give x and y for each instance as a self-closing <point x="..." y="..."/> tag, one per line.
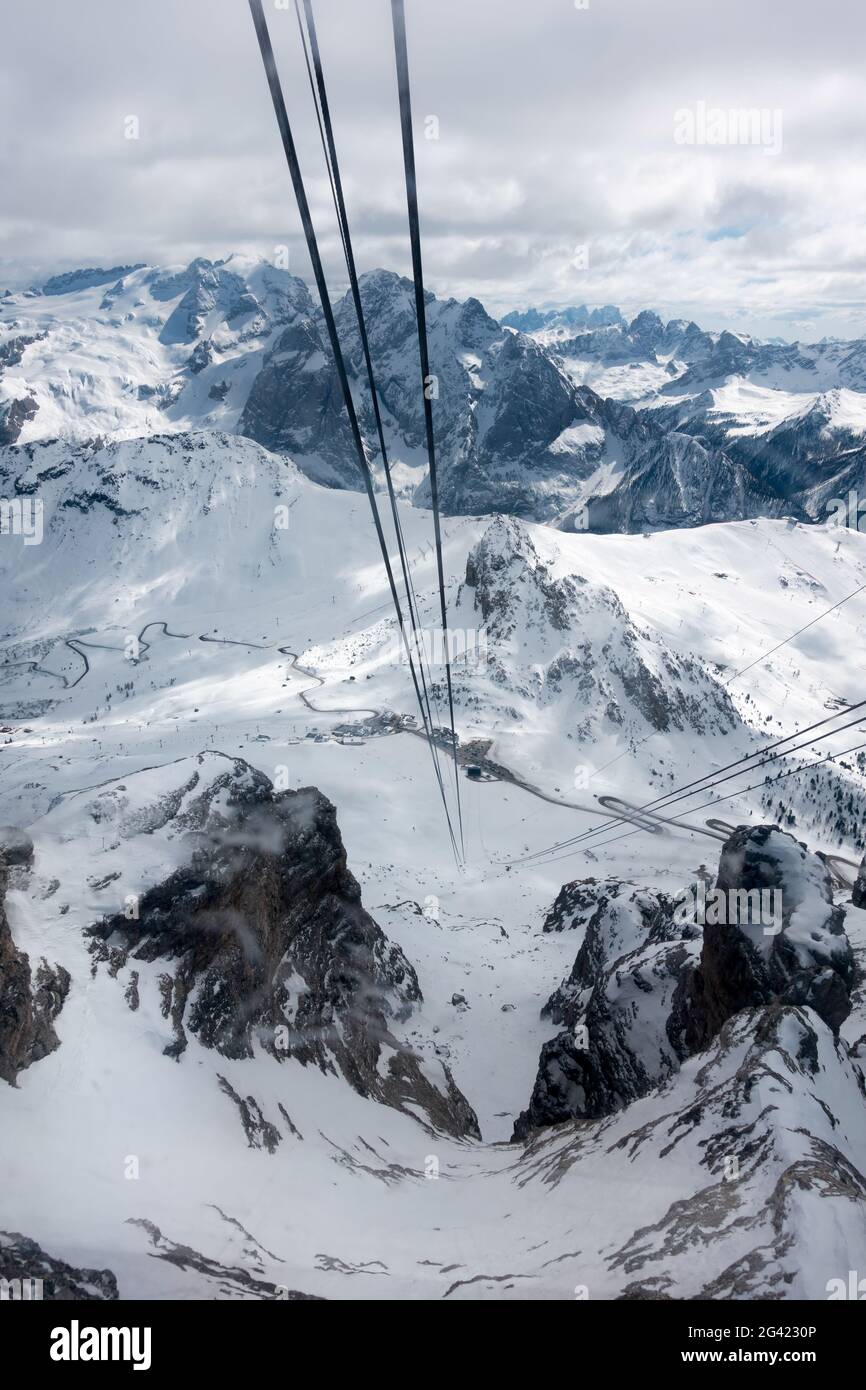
<point x="295" y="406"/>
<point x="264" y="941"/>
<point x="570" y="642"/>
<point x="579" y="902"/>
<point x="23" y="1261"/>
<point x="621" y="1036"/>
<point x="75" y="280"/>
<point x="765" y="1113"/>
<point x="29" y="1003"/>
<point x="667" y="479"/>
<point x="803" y="957"/>
<point x="652" y="985"/>
<point x="858" y="894"/>
<point x="14" y="416"/>
<point x="16" y="846"/>
<point x="514" y="432"/>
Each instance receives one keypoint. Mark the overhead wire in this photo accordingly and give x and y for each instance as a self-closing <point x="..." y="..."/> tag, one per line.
<point x="401" y="55"/>
<point x="318" y="89"/>
<point x="289" y="149"/>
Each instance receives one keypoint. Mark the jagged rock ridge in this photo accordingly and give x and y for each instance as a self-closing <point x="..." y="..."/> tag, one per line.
<point x="264" y="941"/>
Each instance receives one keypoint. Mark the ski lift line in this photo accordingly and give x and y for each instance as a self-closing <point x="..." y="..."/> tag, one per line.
<point x="832" y="859"/>
<point x="587" y="838"/>
<point x="664" y="803"/>
<point x="719" y="781"/>
<point x="710" y="777"/>
<point x="305" y="48"/>
<point x="326" y="134"/>
<point x="269" y="62"/>
<point x="653" y="822"/>
<point x="736" y="676"/>
<point x="329" y="149"/>
<point x="398" y="18"/>
<point x="740" y="791"/>
<point x="801" y="747"/>
<point x="793" y="563"/>
<point x="320" y="102"/>
<point x="804" y="628"/>
<point x="718" y="801"/>
<point x="819" y="723"/>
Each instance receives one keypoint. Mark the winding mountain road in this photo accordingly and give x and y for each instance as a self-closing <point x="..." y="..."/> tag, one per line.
<point x="607" y="805"/>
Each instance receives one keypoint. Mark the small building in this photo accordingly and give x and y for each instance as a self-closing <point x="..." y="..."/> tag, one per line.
<point x="473" y="771"/>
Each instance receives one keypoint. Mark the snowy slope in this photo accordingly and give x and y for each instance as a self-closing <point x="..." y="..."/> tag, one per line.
<point x="169" y="613"/>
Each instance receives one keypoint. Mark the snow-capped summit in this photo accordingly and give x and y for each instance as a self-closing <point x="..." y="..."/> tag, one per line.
<point x="526" y="422"/>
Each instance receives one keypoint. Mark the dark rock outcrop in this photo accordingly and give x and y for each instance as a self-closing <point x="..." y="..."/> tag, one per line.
<point x="29" y="1003"/>
<point x="621" y="1036"/>
<point x="801" y="957"/>
<point x="12" y="351"/>
<point x="22" y="1261"/>
<point x="271" y="945"/>
<point x="858" y="894"/>
<point x="200" y="357"/>
<point x="16" y="846"/>
<point x="14" y="416"/>
<point x="294" y="405"/>
<point x="654" y="982"/>
<point x="577" y="902"/>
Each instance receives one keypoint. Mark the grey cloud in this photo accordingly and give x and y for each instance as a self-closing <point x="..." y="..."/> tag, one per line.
<point x="556" y="128"/>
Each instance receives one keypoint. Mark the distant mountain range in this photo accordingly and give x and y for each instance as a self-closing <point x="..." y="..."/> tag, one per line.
<point x="575" y="417"/>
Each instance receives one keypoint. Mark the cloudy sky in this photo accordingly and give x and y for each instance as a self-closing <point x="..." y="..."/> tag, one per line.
<point x="556" y="177"/>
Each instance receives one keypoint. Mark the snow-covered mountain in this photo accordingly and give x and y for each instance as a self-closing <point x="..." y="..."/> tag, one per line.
<point x="286" y="1046"/>
<point x="557" y="322"/>
<point x="625" y="426"/>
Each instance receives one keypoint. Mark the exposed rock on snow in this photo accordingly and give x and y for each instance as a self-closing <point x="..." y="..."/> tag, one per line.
<point x="572" y="641"/>
<point x="576" y="903"/>
<point x="14" y="416"/>
<point x="29" y="1003"/>
<point x="746" y="963"/>
<point x="858" y="895"/>
<point x="649" y="988"/>
<point x="772" y="1116"/>
<point x="621" y="1037"/>
<point x="270" y="944"/>
<point x="222" y="1280"/>
<point x="22" y="1259"/>
<point x="84" y="279"/>
<point x="764" y="1132"/>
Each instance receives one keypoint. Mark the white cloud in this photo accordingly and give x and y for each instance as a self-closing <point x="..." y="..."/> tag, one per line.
<point x="555" y="130"/>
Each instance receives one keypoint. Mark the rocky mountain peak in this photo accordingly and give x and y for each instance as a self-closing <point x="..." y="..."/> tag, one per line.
<point x="787" y="943"/>
<point x="654" y="983"/>
<point x="580" y="645"/>
<point x="260" y="940"/>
